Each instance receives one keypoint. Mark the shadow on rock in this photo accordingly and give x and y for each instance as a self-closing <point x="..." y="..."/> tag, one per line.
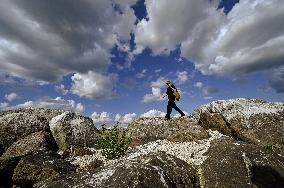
<point x="266" y="177"/>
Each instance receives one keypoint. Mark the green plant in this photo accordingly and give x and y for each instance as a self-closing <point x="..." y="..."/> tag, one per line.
<point x="272" y="147"/>
<point x="269" y="147"/>
<point x="113" y="142"/>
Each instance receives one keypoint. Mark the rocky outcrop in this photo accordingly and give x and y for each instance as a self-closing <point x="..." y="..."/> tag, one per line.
<point x="152" y="170"/>
<point x="233" y="143"/>
<point x="7" y="166"/>
<point x="250" y="120"/>
<point x="183" y="129"/>
<point x="19" y="123"/>
<point x="33" y="169"/>
<point x="73" y="130"/>
<point x="36" y="142"/>
<point x="238" y="164"/>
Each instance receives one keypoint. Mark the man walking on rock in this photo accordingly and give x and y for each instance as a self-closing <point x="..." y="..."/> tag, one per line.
<point x="172" y="98"/>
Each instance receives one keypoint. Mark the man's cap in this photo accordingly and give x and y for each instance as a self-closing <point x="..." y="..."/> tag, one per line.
<point x="167" y="81"/>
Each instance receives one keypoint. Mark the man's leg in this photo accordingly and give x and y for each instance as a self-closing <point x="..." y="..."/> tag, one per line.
<point x="169" y="109"/>
<point x="179" y="110"/>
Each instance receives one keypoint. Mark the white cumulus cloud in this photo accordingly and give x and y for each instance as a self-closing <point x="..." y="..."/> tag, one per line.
<point x="125" y="119"/>
<point x="198" y="85"/>
<point x="154" y="96"/>
<point x="182" y="76"/>
<point x="156" y="91"/>
<point x="153" y="113"/>
<point x="3" y="105"/>
<point x="169" y="23"/>
<point x="11" y="96"/>
<point x="101" y="118"/>
<point x="248" y="39"/>
<point x="142" y="74"/>
<point x="44" y="40"/>
<point x="94" y="85"/>
<point x="61" y="89"/>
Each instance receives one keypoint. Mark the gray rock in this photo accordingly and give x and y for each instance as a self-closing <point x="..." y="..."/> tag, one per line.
<point x="238" y="164"/>
<point x="250" y="120"/>
<point x="239" y="107"/>
<point x="36" y="142"/>
<point x="7" y="166"/>
<point x="252" y="155"/>
<point x="182" y="129"/>
<point x="152" y="170"/>
<point x="19" y="123"/>
<point x="216" y="121"/>
<point x="71" y="129"/>
<point x="33" y="169"/>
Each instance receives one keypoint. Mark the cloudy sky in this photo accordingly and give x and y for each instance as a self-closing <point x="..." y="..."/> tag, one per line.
<point x="108" y="59"/>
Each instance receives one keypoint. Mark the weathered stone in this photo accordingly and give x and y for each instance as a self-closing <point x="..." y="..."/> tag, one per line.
<point x="250" y="120"/>
<point x="214" y="121"/>
<point x="238" y="164"/>
<point x="2" y="149"/>
<point x="87" y="162"/>
<point x="252" y="157"/>
<point x="152" y="170"/>
<point x="45" y="113"/>
<point x="71" y="129"/>
<point x="36" y="142"/>
<point x="19" y="123"/>
<point x="80" y="151"/>
<point x="33" y="169"/>
<point x="183" y="129"/>
<point x="7" y="167"/>
<point x="168" y="170"/>
<point x="266" y="130"/>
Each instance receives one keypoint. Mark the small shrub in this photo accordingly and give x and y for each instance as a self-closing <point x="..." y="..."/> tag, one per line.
<point x="272" y="147"/>
<point x="269" y="147"/>
<point x="113" y="142"/>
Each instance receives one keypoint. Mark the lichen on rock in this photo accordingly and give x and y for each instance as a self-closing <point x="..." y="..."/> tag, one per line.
<point x="183" y="129"/>
<point x="249" y="120"/>
<point x="19" y="123"/>
<point x="233" y="163"/>
<point x="71" y="129"/>
<point x="33" y="169"/>
<point x="232" y="143"/>
<point x="36" y="142"/>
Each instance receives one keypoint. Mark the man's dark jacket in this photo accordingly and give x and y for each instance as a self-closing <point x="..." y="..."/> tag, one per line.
<point x="170" y="93"/>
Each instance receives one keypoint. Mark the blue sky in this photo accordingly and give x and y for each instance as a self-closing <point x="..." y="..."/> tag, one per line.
<point x="104" y="58"/>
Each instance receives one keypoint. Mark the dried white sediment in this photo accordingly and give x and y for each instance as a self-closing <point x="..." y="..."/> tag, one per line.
<point x="241" y="106"/>
<point x="56" y="119"/>
<point x="190" y="152"/>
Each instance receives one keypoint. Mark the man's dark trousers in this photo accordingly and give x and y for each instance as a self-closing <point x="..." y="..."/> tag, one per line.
<point x="172" y="105"/>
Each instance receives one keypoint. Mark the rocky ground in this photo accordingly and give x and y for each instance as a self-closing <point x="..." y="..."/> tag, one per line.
<point x="232" y="143"/>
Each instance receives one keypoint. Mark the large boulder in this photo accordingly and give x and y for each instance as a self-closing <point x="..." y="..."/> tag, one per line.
<point x="19" y="123"/>
<point x="233" y="163"/>
<point x="33" y="169"/>
<point x="73" y="130"/>
<point x="36" y="142"/>
<point x="152" y="170"/>
<point x="183" y="129"/>
<point x="250" y="120"/>
<point x="7" y="166"/>
<point x="216" y="121"/>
